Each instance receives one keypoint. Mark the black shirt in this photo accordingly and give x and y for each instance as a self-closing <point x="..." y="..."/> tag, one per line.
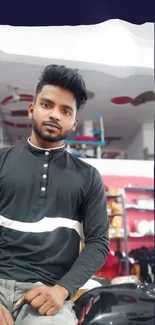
<point x="45" y="195"/>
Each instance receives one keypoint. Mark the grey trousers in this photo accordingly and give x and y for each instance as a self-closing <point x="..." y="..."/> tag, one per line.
<point x="11" y="291"/>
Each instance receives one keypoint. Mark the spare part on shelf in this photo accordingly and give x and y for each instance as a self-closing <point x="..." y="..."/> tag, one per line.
<point x="151" y="227"/>
<point x="113" y="191"/>
<point x="143" y="227"/>
<point x="109" y="209"/>
<point x="118" y="224"/>
<point x="144" y="261"/>
<point x="145" y="202"/>
<point x="112" y="232"/>
<point x="117" y="207"/>
<point x="116" y="232"/>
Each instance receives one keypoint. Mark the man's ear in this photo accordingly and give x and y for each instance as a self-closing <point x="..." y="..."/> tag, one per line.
<point x="75" y="124"/>
<point x="30" y="111"/>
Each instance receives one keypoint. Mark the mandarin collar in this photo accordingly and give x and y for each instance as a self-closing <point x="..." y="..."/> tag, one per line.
<point x="43" y="151"/>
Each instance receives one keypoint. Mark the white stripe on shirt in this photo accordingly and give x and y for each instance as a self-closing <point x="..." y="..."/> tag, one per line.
<point x="41" y="226"/>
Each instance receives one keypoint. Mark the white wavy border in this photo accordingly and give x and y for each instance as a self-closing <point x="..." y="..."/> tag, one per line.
<point x="114" y="43"/>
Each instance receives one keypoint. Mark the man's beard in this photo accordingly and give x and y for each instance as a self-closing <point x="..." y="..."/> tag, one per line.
<point x="49" y="138"/>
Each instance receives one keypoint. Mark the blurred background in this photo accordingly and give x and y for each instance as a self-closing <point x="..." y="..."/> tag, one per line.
<point x="115" y="59"/>
<point x="116" y="129"/>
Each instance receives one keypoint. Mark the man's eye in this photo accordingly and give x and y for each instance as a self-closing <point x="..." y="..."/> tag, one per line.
<point x="45" y="105"/>
<point x="66" y="112"/>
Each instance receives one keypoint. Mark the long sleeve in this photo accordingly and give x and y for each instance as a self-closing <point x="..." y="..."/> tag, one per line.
<point x="95" y="225"/>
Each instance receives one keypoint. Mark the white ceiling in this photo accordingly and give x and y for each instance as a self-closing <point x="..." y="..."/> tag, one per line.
<point x="105" y="81"/>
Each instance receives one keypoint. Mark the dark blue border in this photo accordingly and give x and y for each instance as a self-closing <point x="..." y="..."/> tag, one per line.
<point x="75" y="12"/>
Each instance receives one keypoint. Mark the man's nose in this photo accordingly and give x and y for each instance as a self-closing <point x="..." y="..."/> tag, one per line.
<point x="55" y="113"/>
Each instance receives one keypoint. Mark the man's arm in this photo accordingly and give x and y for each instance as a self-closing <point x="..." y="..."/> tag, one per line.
<point x="96" y="225"/>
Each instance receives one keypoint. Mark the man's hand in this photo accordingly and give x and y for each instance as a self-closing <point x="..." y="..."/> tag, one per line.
<point x="5" y="316"/>
<point x="47" y="300"/>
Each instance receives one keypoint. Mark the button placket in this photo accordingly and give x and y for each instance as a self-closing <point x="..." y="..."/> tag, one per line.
<point x="44" y="176"/>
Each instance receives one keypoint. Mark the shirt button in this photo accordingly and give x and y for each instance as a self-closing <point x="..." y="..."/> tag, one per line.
<point x="47" y="153"/>
<point x="44" y="176"/>
<point x="43" y="189"/>
<point x="45" y="165"/>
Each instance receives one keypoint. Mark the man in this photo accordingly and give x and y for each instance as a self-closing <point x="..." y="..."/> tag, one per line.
<point x="45" y="195"/>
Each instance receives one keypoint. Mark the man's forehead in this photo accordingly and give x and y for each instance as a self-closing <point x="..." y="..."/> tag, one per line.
<point x="50" y="92"/>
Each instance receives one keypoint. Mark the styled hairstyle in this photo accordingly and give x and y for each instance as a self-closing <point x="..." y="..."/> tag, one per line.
<point x="61" y="76"/>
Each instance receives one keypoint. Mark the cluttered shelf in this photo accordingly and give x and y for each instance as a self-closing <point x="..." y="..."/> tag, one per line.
<point x="138" y="207"/>
<point x="130" y="214"/>
<point x="118" y="206"/>
<point x="139" y="189"/>
<point x="141" y="263"/>
<point x="90" y="143"/>
<point x="133" y="235"/>
<point x="133" y="207"/>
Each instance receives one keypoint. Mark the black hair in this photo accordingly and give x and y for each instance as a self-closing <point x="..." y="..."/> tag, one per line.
<point x="70" y="79"/>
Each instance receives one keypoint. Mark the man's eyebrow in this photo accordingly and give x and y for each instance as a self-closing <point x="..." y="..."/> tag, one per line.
<point x="68" y="107"/>
<point x="46" y="100"/>
<point x="51" y="102"/>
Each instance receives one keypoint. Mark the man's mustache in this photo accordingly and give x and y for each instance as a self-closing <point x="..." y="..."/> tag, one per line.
<point x="52" y="123"/>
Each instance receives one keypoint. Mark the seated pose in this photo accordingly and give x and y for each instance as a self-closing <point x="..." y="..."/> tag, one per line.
<point x="46" y="194"/>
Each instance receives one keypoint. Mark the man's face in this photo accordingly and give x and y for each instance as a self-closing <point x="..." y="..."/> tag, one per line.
<point x="54" y="113"/>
